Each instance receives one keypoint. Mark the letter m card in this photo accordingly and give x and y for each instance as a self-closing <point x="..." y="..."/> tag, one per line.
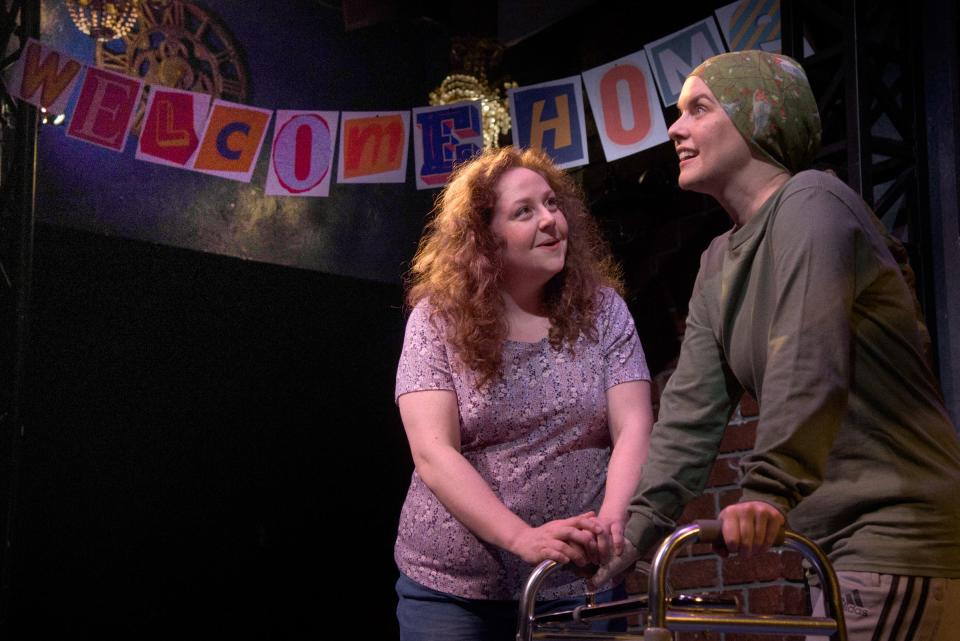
<point x="444" y="136"/>
<point x="44" y="77"/>
<point x="231" y="140"/>
<point x="171" y="128"/>
<point x="673" y="58"/>
<point x="373" y="146"/>
<point x="301" y="160"/>
<point x="549" y="117"/>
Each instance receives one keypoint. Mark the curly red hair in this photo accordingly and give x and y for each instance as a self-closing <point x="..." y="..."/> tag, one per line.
<point x="457" y="264"/>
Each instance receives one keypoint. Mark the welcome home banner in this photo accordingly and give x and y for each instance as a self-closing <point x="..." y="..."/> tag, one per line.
<point x="189" y="131"/>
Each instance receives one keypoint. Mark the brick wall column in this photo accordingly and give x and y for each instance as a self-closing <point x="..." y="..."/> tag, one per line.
<point x="771" y="583"/>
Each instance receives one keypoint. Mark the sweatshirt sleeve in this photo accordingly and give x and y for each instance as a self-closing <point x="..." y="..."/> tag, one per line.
<point x="694" y="410"/>
<point x="813" y="243"/>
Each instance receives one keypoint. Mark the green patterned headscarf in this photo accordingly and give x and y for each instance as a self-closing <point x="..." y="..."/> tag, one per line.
<point x="769" y="100"/>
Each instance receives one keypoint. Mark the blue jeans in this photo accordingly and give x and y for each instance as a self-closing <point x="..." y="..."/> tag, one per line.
<point x="429" y="615"/>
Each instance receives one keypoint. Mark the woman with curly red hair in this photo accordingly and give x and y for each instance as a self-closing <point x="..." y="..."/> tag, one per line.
<point x="521" y="377"/>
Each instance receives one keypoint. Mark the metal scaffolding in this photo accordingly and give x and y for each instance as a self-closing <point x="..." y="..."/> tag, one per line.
<point x="18" y="148"/>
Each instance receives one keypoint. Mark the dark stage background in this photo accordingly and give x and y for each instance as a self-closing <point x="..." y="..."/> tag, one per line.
<point x="213" y="445"/>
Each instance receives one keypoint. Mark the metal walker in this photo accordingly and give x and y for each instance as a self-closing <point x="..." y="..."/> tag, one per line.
<point x="662" y="616"/>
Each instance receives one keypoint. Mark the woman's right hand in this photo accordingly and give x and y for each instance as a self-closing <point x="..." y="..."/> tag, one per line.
<point x="616" y="566"/>
<point x="570" y="540"/>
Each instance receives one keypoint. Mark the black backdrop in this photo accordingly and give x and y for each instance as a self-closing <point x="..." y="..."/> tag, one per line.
<point x="212" y="446"/>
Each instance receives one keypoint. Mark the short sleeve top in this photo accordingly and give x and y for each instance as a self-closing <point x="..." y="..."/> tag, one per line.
<point x="537" y="434"/>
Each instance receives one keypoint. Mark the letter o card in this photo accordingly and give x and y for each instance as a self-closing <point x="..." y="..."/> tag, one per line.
<point x="301" y="160"/>
<point x="625" y="107"/>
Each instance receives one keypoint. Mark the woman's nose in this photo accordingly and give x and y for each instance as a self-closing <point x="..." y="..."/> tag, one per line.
<point x="548" y="218"/>
<point x="677" y="130"/>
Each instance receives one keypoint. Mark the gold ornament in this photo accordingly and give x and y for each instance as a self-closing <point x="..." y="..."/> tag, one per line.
<point x="103" y="19"/>
<point x="178" y="44"/>
<point x="471" y="58"/>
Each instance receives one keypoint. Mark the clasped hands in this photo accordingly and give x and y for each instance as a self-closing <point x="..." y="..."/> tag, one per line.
<point x="586" y="540"/>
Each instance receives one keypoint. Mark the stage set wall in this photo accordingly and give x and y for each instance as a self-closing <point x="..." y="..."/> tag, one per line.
<point x="211" y="443"/>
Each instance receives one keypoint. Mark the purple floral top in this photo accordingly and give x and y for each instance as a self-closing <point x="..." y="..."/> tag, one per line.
<point x="538" y="435"/>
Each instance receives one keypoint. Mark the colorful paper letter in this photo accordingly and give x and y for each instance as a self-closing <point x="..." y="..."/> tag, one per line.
<point x="105" y="109"/>
<point x="445" y="135"/>
<point x="549" y="116"/>
<point x="232" y="140"/>
<point x="170" y="132"/>
<point x="302" y="153"/>
<point x="625" y="106"/>
<point x="40" y="67"/>
<point x="672" y="58"/>
<point x="373" y="147"/>
<point x="753" y="24"/>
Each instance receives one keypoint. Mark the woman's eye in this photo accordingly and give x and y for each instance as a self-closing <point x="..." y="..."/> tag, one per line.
<point x="551" y="203"/>
<point x="522" y="212"/>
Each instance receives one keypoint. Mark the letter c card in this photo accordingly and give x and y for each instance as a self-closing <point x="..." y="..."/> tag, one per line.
<point x="232" y="140"/>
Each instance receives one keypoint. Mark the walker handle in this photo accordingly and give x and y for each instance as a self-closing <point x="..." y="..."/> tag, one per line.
<point x="711" y="531"/>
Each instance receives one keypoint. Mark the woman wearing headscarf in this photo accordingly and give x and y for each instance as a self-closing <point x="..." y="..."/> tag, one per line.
<point x="803" y="305"/>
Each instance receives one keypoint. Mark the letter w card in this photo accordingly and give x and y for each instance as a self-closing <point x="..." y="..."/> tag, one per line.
<point x="44" y="77"/>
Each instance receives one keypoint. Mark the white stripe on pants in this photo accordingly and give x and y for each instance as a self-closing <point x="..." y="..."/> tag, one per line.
<point x="888" y="607"/>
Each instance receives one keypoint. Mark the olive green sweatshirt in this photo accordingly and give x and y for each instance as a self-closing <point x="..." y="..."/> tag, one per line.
<point x="805" y="308"/>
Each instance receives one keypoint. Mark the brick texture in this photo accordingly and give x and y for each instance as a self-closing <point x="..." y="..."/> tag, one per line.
<point x="728" y="497"/>
<point x="769" y="566"/>
<point x="739" y="438"/>
<point x="777" y="599"/>
<point x="694" y="573"/>
<point x="749" y="406"/>
<point x="702" y="507"/>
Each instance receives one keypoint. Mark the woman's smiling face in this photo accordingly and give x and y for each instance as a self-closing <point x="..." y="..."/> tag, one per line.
<point x="710" y="148"/>
<point x="528" y="219"/>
